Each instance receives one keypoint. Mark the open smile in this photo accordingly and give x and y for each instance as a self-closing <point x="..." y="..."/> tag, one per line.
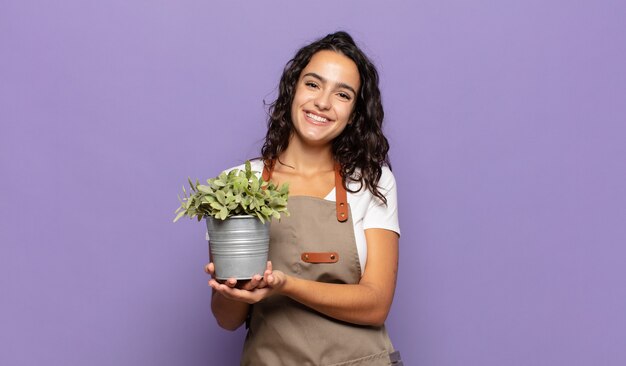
<point x="316" y="119"/>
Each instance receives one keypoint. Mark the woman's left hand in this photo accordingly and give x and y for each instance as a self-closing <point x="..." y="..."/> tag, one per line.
<point x="254" y="290"/>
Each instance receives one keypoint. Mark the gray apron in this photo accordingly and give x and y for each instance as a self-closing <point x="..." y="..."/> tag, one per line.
<point x="316" y="242"/>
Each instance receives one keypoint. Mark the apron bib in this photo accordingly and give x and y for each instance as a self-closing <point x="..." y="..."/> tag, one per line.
<point x="316" y="242"/>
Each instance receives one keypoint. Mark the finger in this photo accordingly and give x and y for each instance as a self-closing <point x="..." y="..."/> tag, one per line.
<point x="231" y="282"/>
<point x="257" y="282"/>
<point x="249" y="297"/>
<point x="231" y="293"/>
<point x="252" y="284"/>
<point x="276" y="279"/>
<point x="226" y="292"/>
<point x="214" y="284"/>
<point x="262" y="283"/>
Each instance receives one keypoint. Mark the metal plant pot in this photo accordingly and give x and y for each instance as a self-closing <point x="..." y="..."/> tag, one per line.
<point x="239" y="246"/>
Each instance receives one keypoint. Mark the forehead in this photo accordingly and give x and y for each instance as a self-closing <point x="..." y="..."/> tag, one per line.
<point x="334" y="67"/>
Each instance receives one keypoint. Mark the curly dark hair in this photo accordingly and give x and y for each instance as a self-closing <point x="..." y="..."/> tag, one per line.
<point x="361" y="145"/>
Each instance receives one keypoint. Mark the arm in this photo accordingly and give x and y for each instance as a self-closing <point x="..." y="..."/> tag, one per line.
<point x="229" y="313"/>
<point x="366" y="303"/>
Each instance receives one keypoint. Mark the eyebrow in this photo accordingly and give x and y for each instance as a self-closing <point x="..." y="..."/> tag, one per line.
<point x="323" y="80"/>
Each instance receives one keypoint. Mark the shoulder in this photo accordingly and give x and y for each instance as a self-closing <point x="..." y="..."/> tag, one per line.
<point x="387" y="180"/>
<point x="374" y="212"/>
<point x="386" y="183"/>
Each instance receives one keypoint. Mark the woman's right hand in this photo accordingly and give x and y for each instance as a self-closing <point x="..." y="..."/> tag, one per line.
<point x="257" y="281"/>
<point x="252" y="291"/>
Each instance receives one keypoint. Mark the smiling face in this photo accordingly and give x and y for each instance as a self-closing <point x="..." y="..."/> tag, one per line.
<point x="325" y="96"/>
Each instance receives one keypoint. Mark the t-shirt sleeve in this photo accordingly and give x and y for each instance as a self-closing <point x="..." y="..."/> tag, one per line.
<point x="379" y="215"/>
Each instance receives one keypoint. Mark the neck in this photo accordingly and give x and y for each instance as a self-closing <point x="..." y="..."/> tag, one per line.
<point x="305" y="158"/>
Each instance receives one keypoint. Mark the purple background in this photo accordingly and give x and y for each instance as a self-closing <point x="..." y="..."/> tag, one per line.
<point x="507" y="126"/>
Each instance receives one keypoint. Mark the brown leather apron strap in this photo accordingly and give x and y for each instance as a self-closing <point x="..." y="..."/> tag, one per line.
<point x="341" y="196"/>
<point x="267" y="173"/>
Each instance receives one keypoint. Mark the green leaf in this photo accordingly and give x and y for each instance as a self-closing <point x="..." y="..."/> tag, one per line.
<point x="180" y="214"/>
<point x="248" y="169"/>
<point x="204" y="189"/>
<point x="224" y="213"/>
<point x="258" y="202"/>
<point x="278" y="201"/>
<point x="221" y="197"/>
<point x="229" y="197"/>
<point x="254" y="184"/>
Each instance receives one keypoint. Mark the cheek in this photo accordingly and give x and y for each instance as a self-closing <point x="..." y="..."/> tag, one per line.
<point x="301" y="97"/>
<point x="295" y="103"/>
<point x="348" y="113"/>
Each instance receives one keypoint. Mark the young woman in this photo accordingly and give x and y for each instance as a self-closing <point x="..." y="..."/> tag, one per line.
<point x="328" y="287"/>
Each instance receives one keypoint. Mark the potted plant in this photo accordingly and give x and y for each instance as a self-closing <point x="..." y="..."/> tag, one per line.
<point x="238" y="207"/>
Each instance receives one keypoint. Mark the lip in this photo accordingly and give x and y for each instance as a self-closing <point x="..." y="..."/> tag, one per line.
<point x="305" y="112"/>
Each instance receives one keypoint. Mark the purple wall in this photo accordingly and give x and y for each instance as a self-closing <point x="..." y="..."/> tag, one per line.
<point x="507" y="124"/>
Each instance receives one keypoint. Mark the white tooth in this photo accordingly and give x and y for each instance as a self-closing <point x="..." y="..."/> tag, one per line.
<point x="317" y="118"/>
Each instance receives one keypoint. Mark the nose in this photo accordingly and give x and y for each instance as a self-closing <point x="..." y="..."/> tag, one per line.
<point x="322" y="100"/>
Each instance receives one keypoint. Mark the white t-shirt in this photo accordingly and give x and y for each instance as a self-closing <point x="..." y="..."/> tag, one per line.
<point x="368" y="212"/>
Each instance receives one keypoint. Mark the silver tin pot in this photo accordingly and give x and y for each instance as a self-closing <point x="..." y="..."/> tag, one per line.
<point x="239" y="246"/>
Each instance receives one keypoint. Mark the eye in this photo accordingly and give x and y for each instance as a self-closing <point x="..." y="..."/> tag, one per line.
<point x="345" y="96"/>
<point x="311" y="84"/>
